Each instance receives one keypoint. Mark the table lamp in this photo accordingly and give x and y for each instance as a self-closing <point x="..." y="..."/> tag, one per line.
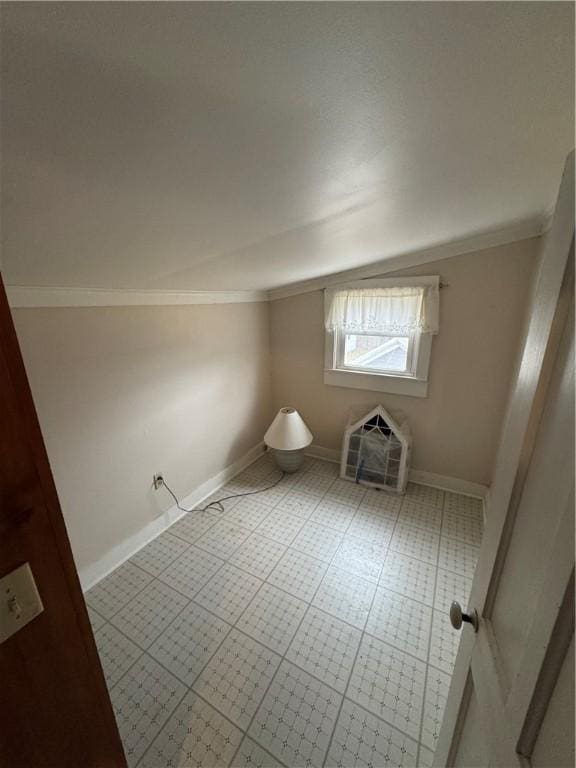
<point x="287" y="436"/>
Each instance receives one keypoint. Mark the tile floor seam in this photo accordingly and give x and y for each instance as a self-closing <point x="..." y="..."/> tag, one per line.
<point x="166" y="530"/>
<point x="212" y="706"/>
<point x="459" y="541"/>
<point x="308" y="605"/>
<point x="99" y="615"/>
<point x="141" y="758"/>
<point x="208" y="552"/>
<point x="396" y="647"/>
<point x="398" y="552"/>
<point x="275" y="675"/>
<point x="440" y="537"/>
<point x="399" y="594"/>
<point x="363" y="633"/>
<point x="152" y="579"/>
<point x="337" y="718"/>
<point x="139" y="593"/>
<point x="218" y="515"/>
<point x="276" y="540"/>
<point x="191" y="543"/>
<point x="291" y="594"/>
<point x="203" y="585"/>
<point x="389" y="549"/>
<point x="248" y="606"/>
<point x="223" y="516"/>
<point x="157" y="576"/>
<point x="142" y="652"/>
<point x="212" y="576"/>
<point x="244" y="730"/>
<point x="322" y="610"/>
<point x="383" y="717"/>
<point x="160" y="663"/>
<point x="177" y="616"/>
<point x="195" y="543"/>
<point x="283" y="657"/>
<point x="360" y="577"/>
<point x="248" y="736"/>
<point x="264" y="581"/>
<point x="357" y="651"/>
<point x="327" y="525"/>
<point x="189" y="687"/>
<point x="234" y="625"/>
<point x="425" y="689"/>
<point x="319" y="499"/>
<point x="252" y="531"/>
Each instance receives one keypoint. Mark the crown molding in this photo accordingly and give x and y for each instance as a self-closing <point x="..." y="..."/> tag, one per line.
<point x="40" y="296"/>
<point x="524" y="231"/>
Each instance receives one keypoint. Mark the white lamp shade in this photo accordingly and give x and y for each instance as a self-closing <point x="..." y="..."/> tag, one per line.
<point x="288" y="432"/>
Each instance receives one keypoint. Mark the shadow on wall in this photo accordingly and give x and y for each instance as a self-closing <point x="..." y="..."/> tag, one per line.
<point x="456" y="428"/>
<point x="124" y="393"/>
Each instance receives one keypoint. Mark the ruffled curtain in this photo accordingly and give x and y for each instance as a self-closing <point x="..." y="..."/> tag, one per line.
<point x="398" y="310"/>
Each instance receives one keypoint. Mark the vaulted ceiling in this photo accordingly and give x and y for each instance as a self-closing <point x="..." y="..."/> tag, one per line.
<point x="214" y="146"/>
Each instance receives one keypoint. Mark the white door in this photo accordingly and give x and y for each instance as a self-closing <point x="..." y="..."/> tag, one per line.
<point x="506" y="672"/>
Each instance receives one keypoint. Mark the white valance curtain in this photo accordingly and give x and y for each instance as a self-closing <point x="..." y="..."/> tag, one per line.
<point x="395" y="309"/>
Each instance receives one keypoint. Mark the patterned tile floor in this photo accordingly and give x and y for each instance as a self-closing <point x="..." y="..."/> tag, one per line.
<point x="304" y="626"/>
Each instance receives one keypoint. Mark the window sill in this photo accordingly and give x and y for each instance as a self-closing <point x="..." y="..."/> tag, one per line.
<point x="376" y="382"/>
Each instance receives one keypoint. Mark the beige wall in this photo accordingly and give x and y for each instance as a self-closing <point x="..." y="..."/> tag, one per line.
<point x="456" y="428"/>
<point x="125" y="392"/>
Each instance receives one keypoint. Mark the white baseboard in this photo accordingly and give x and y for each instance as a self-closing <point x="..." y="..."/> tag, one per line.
<point x="93" y="573"/>
<point x="319" y="452"/>
<point x="444" y="482"/>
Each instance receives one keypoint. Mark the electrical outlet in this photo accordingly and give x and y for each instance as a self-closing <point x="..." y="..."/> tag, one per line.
<point x="158" y="481"/>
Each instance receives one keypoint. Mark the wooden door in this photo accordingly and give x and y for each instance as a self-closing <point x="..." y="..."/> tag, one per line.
<point x="523" y="589"/>
<point x="55" y="706"/>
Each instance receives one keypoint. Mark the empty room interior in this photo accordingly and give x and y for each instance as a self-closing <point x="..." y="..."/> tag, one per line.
<point x="287" y="384"/>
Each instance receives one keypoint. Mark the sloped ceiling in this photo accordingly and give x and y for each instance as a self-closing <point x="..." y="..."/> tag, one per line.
<point x="213" y="146"/>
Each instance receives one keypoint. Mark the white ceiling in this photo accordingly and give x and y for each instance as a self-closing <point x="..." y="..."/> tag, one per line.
<point x="245" y="146"/>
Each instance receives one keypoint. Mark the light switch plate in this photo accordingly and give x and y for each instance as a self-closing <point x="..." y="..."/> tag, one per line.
<point x="19" y="601"/>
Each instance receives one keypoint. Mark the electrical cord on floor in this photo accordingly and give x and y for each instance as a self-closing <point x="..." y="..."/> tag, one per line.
<point x="218" y="503"/>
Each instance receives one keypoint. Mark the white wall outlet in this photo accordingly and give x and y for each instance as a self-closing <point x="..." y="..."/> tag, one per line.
<point x="158" y="481"/>
<point x="19" y="601"/>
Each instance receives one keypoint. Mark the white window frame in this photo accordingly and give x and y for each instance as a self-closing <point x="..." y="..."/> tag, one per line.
<point x="412" y="355"/>
<point x="413" y="383"/>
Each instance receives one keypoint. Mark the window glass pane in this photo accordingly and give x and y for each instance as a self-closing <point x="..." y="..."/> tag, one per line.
<point x="381" y="353"/>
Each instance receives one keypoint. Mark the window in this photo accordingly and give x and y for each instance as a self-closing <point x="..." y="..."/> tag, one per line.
<point x="380" y="353"/>
<point x="379" y="334"/>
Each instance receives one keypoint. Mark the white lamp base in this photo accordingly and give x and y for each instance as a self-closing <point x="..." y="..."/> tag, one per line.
<point x="288" y="461"/>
